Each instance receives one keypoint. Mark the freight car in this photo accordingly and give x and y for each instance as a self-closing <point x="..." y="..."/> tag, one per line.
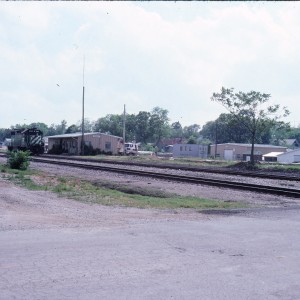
<point x="27" y="139"/>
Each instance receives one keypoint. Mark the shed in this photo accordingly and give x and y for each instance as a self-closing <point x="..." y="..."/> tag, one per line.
<point x="272" y="156"/>
<point x="289" y="157"/>
<point x="71" y="143"/>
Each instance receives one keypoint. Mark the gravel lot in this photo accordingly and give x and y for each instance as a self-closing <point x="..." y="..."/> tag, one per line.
<point x="57" y="248"/>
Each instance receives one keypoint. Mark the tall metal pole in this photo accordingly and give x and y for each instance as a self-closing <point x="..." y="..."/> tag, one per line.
<point x="82" y="124"/>
<point x="124" y="121"/>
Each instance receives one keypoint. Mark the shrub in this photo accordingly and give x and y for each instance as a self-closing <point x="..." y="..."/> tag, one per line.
<point x="56" y="149"/>
<point x="18" y="159"/>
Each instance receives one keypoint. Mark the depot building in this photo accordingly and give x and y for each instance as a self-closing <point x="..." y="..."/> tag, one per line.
<point x="71" y="143"/>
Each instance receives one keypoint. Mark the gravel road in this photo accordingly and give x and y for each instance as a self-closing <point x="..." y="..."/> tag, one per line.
<point x="57" y="248"/>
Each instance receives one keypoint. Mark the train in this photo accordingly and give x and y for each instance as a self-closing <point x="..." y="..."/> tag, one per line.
<point x="30" y="139"/>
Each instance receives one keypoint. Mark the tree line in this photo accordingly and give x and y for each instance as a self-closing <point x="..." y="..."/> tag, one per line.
<point x="145" y="127"/>
<point x="247" y="121"/>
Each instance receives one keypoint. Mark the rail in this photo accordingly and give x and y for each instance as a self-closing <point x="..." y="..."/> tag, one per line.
<point x="181" y="178"/>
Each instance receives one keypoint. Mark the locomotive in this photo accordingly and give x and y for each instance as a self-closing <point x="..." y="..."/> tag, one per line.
<point x="30" y="139"/>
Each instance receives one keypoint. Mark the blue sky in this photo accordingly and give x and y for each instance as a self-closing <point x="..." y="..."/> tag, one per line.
<point x="174" y="55"/>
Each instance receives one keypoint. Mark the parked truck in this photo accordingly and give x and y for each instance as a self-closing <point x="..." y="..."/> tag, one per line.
<point x="129" y="149"/>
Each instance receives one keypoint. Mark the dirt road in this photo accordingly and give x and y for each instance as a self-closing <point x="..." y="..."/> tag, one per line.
<point x="55" y="248"/>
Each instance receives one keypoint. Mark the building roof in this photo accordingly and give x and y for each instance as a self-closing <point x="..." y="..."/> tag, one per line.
<point x="273" y="154"/>
<point x="291" y="151"/>
<point x="290" y="142"/>
<point x="249" y="145"/>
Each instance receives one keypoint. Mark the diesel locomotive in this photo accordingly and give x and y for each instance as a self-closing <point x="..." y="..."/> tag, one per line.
<point x="30" y="139"/>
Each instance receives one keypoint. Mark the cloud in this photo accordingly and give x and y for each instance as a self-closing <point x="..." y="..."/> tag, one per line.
<point x="172" y="55"/>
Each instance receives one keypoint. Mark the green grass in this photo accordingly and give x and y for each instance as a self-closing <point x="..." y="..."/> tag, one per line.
<point x="161" y="160"/>
<point x="280" y="167"/>
<point x="139" y="197"/>
<point x="21" y="177"/>
<point x="110" y="193"/>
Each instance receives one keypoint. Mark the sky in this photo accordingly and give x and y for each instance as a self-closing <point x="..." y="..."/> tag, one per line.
<point x="173" y="55"/>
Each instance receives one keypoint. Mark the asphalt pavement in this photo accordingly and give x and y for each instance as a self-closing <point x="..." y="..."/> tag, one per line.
<point x="240" y="256"/>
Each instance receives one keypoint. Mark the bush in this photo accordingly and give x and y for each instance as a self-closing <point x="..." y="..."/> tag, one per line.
<point x="18" y="159"/>
<point x="56" y="149"/>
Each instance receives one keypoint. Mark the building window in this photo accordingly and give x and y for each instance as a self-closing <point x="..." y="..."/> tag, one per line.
<point x="180" y="148"/>
<point x="108" y="146"/>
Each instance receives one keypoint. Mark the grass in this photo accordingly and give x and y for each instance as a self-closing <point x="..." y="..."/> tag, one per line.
<point x="280" y="167"/>
<point x="154" y="159"/>
<point x="110" y="193"/>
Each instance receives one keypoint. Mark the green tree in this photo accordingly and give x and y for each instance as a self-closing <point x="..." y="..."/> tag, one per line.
<point x="111" y="124"/>
<point x="72" y="129"/>
<point x="294" y="133"/>
<point x="251" y="111"/>
<point x="41" y="126"/>
<point x="4" y="133"/>
<point x="158" y="124"/>
<point x="130" y="132"/>
<point x="191" y="130"/>
<point x="176" y="130"/>
<point x="142" y="126"/>
<point x="225" y="129"/>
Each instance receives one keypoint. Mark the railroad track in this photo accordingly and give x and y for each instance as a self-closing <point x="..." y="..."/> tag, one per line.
<point x="295" y="193"/>
<point x="256" y="174"/>
<point x="223" y="171"/>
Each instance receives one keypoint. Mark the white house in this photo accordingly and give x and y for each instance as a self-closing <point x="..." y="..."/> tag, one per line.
<point x="289" y="157"/>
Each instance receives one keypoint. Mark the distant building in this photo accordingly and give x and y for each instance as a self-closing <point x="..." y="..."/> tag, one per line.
<point x="190" y="150"/>
<point x="166" y="143"/>
<point x="235" y="151"/>
<point x="290" y="143"/>
<point x="289" y="157"/>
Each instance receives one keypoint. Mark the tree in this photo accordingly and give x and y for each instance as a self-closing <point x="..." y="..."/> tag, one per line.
<point x="41" y="126"/>
<point x="158" y="123"/>
<point x="142" y="126"/>
<point x="61" y="128"/>
<point x="88" y="125"/>
<point x="251" y="111"/>
<point x="73" y="129"/>
<point x="192" y="130"/>
<point x="225" y="129"/>
<point x="4" y="133"/>
<point x="130" y="130"/>
<point x="111" y="124"/>
<point x="176" y="130"/>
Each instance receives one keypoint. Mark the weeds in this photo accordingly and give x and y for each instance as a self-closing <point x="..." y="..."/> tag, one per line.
<point x="109" y="193"/>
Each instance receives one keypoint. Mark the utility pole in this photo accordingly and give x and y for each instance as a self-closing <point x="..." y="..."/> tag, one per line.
<point x="82" y="124"/>
<point x="216" y="145"/>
